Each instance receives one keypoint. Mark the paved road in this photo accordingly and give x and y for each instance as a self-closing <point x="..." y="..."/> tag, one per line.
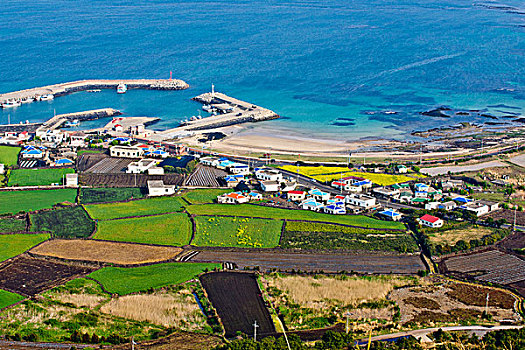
<point x="423" y="333"/>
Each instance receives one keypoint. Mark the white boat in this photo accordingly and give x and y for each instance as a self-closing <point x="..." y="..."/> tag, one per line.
<point x="207" y="108"/>
<point x="27" y="100"/>
<point x="72" y="123"/>
<point x="47" y="97"/>
<point x="122" y="88"/>
<point x="11" y="104"/>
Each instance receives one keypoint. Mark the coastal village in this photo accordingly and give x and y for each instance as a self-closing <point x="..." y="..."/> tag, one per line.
<point x="123" y="234"/>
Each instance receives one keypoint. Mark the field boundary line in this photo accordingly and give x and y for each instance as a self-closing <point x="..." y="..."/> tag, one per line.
<point x="193" y="227"/>
<point x="137" y="243"/>
<point x="24" y="233"/>
<point x="141" y="216"/>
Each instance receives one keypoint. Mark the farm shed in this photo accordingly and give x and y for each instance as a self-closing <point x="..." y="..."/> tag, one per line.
<point x="158" y="188"/>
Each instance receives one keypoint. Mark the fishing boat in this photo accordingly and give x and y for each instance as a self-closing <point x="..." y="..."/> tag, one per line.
<point x="122" y="88"/>
<point x="207" y="108"/>
<point x="94" y="90"/>
<point x="27" y="100"/>
<point x="72" y="123"/>
<point x="11" y="104"/>
<point x="46" y="97"/>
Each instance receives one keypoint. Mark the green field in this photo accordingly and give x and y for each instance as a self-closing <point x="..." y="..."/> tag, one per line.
<point x="150" y="206"/>
<point x="8" y="298"/>
<point x="168" y="229"/>
<point x="128" y="280"/>
<point x="12" y="245"/>
<point x="37" y="177"/>
<point x="277" y="213"/>
<point x="237" y="232"/>
<point x="68" y="222"/>
<point x="309" y="235"/>
<point x="12" y="225"/>
<point x="9" y="155"/>
<point x="16" y="201"/>
<point x="205" y="195"/>
<point x="101" y="195"/>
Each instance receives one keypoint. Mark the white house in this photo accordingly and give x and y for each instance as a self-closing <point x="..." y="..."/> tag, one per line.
<point x="239" y="168"/>
<point x="492" y="205"/>
<point x="296" y="196"/>
<point x="71" y="180"/>
<point x="77" y="140"/>
<point x="319" y="195"/>
<point x="387" y="192"/>
<point x="430" y="221"/>
<point x="311" y="204"/>
<point x="32" y="154"/>
<point x="269" y="175"/>
<point x="334" y="209"/>
<point x="477" y="208"/>
<point x="52" y="136"/>
<point x="287" y="185"/>
<point x="450" y="205"/>
<point x="2" y="168"/>
<point x="158" y="188"/>
<point x="209" y="161"/>
<point x="232" y="198"/>
<point x="401" y="169"/>
<point x="140" y="166"/>
<point x="126" y="151"/>
<point x="270" y="186"/>
<point x="361" y="200"/>
<point x="432" y="205"/>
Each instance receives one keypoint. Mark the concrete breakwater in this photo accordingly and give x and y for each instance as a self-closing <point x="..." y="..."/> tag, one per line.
<point x="83" y="85"/>
<point x="231" y="112"/>
<point x="94" y="114"/>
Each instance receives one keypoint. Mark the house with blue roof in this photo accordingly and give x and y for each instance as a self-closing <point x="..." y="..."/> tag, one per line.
<point x="63" y="161"/>
<point x="391" y="214"/>
<point x="32" y="153"/>
<point x="421" y="187"/>
<point x="311" y="204"/>
<point x="334" y="209"/>
<point x="319" y="195"/>
<point x="239" y="168"/>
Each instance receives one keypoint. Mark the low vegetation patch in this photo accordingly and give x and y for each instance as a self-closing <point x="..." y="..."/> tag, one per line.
<point x="38" y="177"/>
<point x="17" y="201"/>
<point x="258" y="211"/>
<point x="473" y="295"/>
<point x="8" y="224"/>
<point x="318" y="236"/>
<point x="237" y="232"/>
<point x="204" y="196"/>
<point x="68" y="222"/>
<point x="109" y="252"/>
<point x="150" y="206"/>
<point x="8" y="298"/>
<point x="129" y="280"/>
<point x="103" y="194"/>
<point x="9" y="155"/>
<point x="168" y="229"/>
<point x="13" y="245"/>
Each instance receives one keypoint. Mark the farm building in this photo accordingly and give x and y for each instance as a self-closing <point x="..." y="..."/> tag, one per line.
<point x="71" y="180"/>
<point x="391" y="214"/>
<point x="158" y="188"/>
<point x="126" y="151"/>
<point x="319" y="195"/>
<point x="296" y="196"/>
<point x="387" y="192"/>
<point x="233" y="198"/>
<point x="450" y="205"/>
<point x="432" y="205"/>
<point x="361" y="200"/>
<point x="334" y="209"/>
<point x="492" y="205"/>
<point x="140" y="166"/>
<point x="32" y="153"/>
<point x="270" y="186"/>
<point x="255" y="196"/>
<point x="233" y="180"/>
<point x="268" y="175"/>
<point x="311" y="204"/>
<point x="430" y="221"/>
<point x="209" y="161"/>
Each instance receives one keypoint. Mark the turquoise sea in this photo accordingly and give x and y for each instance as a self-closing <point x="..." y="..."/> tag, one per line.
<point x="331" y="68"/>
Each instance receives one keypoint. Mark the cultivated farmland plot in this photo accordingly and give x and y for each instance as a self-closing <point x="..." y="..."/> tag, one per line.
<point x="16" y="201"/>
<point x="30" y="276"/>
<point x="490" y="265"/>
<point x="267" y="260"/>
<point x="204" y="176"/>
<point x="126" y="180"/>
<point x="238" y="301"/>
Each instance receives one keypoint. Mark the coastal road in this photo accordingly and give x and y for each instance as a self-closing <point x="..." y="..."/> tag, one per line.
<point x="422" y="334"/>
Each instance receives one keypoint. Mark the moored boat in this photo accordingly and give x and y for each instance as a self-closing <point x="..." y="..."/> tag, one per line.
<point x="11" y="104"/>
<point x="27" y="100"/>
<point x="46" y="97"/>
<point x="122" y="88"/>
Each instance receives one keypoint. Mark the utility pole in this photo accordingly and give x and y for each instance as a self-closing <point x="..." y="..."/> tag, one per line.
<point x="515" y="208"/>
<point x="487" y="305"/>
<point x="132" y="343"/>
<point x="255" y="326"/>
<point x="347" y="315"/>
<point x="481" y="145"/>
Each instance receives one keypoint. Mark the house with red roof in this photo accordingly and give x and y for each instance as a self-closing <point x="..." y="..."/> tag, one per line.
<point x="296" y="196"/>
<point x="431" y="221"/>
<point x="233" y="198"/>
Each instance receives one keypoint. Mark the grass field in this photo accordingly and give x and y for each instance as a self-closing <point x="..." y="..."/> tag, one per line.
<point x="128" y="280"/>
<point x="8" y="298"/>
<point x="68" y="222"/>
<point x="324" y="174"/>
<point x="452" y="236"/>
<point x="12" y="245"/>
<point x="109" y="252"/>
<point x="237" y="232"/>
<point x="101" y="195"/>
<point x="169" y="229"/>
<point x="12" y="225"/>
<point x="149" y="206"/>
<point x="204" y="196"/>
<point x="16" y="201"/>
<point x="496" y="197"/>
<point x="9" y="155"/>
<point x="37" y="177"/>
<point x="277" y="213"/>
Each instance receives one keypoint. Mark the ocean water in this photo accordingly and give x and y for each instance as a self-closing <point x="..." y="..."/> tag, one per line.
<point x="330" y="68"/>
